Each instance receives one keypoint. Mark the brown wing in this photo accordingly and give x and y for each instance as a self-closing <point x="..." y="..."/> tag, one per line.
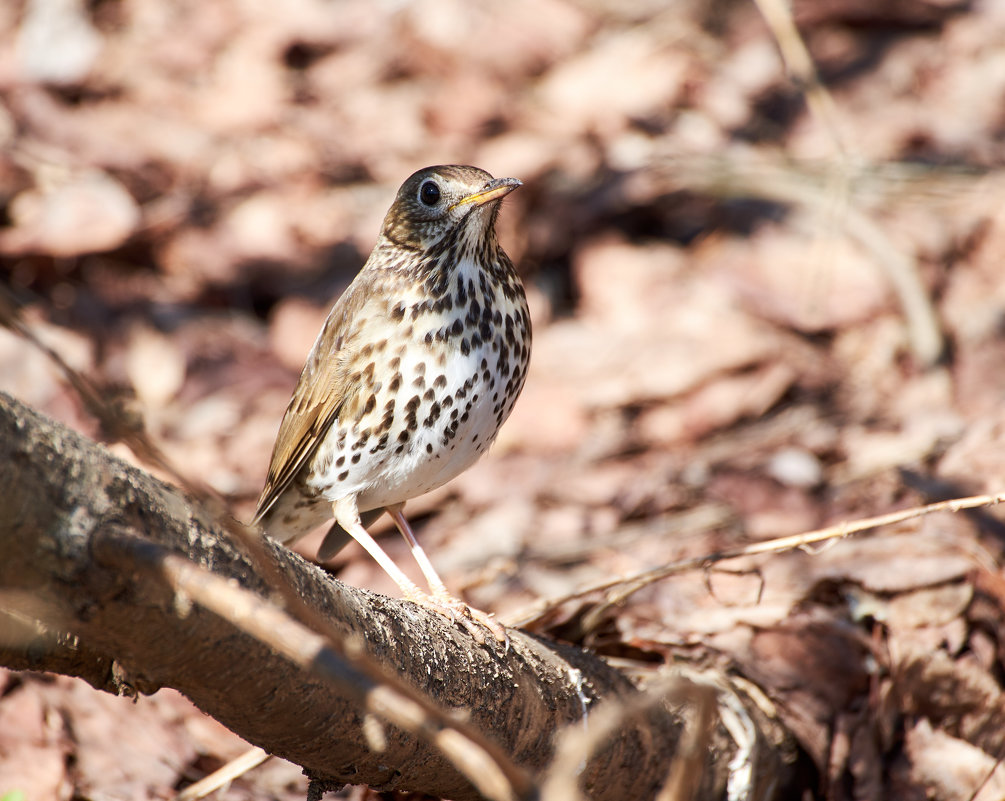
<point x="321" y="393"/>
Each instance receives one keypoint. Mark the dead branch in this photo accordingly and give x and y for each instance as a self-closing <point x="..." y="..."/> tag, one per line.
<point x="70" y="516"/>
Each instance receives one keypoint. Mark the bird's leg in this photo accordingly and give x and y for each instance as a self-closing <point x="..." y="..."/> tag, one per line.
<point x="442" y="600"/>
<point x="347" y="515"/>
<point x="432" y="577"/>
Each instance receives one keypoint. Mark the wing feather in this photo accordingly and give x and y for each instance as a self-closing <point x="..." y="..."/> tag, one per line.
<point x="322" y="392"/>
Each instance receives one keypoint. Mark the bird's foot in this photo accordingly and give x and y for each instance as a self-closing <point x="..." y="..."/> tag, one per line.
<point x="471" y="619"/>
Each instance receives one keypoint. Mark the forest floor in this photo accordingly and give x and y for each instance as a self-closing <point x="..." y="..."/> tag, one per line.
<point x="753" y="316"/>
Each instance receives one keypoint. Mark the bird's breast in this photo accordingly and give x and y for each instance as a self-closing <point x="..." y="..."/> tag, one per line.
<point x="436" y="398"/>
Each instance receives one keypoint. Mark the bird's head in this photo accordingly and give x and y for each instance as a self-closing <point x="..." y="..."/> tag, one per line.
<point x="439" y="201"/>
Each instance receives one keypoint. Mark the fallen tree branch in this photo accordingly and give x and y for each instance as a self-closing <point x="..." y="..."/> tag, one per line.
<point x="69" y="516"/>
<point x="383" y="696"/>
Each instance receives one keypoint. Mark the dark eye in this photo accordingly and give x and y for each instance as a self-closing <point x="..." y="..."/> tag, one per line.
<point x="429" y="193"/>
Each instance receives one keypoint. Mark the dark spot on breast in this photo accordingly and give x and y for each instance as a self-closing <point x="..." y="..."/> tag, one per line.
<point x="465" y="346"/>
<point x="395" y="383"/>
<point x="429" y="447"/>
<point x="343" y="475"/>
<point x="340" y="461"/>
<point x="412" y="406"/>
<point x="474" y="312"/>
<point x="355" y="458"/>
<point x="429" y="394"/>
<point x="440" y="382"/>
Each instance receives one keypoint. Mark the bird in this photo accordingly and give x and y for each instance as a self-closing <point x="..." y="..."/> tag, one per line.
<point x="416" y="368"/>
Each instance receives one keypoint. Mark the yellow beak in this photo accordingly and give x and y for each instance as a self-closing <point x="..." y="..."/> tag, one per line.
<point x="494" y="190"/>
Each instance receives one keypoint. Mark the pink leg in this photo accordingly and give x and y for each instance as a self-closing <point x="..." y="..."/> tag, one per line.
<point x="347" y="515"/>
<point x="435" y="582"/>
<point x="442" y="601"/>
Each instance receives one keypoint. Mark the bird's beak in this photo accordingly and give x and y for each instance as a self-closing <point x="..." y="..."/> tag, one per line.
<point x="494" y="190"/>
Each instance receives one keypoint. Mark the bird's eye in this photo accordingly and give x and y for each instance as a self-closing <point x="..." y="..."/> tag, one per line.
<point x="429" y="193"/>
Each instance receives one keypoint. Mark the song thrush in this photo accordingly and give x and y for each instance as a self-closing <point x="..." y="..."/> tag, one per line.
<point x="417" y="366"/>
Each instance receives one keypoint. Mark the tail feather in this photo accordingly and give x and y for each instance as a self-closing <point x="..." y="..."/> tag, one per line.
<point x="337" y="537"/>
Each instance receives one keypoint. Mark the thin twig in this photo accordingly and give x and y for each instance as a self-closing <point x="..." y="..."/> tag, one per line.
<point x="237" y="767"/>
<point x="797" y="58"/>
<point x="576" y="743"/>
<point x="686" y="770"/>
<point x="618" y="590"/>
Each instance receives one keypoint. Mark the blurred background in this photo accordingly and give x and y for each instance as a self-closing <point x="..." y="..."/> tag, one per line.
<point x="765" y="272"/>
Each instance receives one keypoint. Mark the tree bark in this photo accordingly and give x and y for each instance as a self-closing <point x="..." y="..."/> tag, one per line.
<point x="67" y="504"/>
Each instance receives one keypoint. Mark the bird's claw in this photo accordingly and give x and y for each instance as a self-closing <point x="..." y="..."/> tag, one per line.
<point x="471" y="619"/>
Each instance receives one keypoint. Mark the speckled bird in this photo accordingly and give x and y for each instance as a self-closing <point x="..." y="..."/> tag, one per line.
<point x="416" y="368"/>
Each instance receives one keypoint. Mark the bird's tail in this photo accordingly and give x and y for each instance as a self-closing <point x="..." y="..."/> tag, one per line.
<point x="337" y="537"/>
